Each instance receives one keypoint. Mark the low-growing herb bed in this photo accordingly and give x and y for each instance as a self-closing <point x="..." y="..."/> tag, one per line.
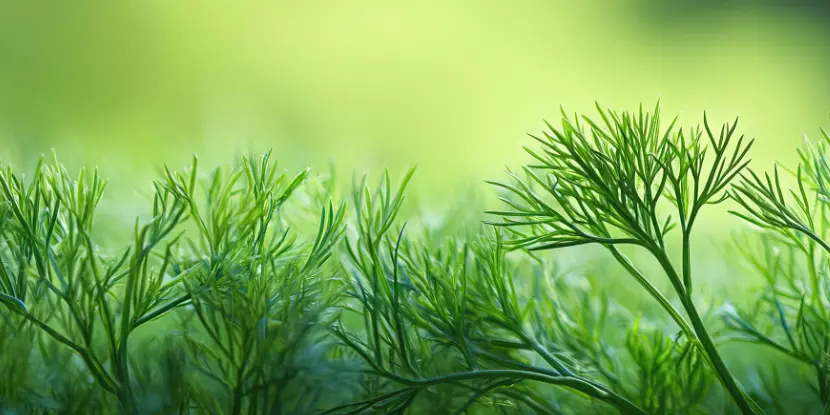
<point x="251" y="291"/>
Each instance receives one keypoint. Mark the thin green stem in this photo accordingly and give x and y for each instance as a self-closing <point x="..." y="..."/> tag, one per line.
<point x="687" y="261"/>
<point x="708" y="345"/>
<point x="725" y="376"/>
<point x="812" y="235"/>
<point x="824" y="391"/>
<point x="160" y="311"/>
<point x="815" y="280"/>
<point x="654" y="292"/>
<point x="91" y="362"/>
<point x="546" y="356"/>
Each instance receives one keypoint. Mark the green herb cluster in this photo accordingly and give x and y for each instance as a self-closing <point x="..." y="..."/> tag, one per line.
<point x="248" y="290"/>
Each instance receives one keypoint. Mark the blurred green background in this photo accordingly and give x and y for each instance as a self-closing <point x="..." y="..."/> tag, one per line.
<point x="450" y="86"/>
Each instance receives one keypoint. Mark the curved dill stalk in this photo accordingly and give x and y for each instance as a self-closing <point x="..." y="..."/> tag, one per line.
<point x="607" y="185"/>
<point x="574" y="383"/>
<point x="498" y="378"/>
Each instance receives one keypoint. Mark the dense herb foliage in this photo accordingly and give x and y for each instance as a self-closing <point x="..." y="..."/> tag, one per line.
<point x="248" y="290"/>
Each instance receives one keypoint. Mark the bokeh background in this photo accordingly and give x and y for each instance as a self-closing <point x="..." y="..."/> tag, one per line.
<point x="451" y="86"/>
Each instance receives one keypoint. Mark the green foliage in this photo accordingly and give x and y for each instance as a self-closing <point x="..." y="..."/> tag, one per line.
<point x="607" y="184"/>
<point x="217" y="261"/>
<point x="790" y="250"/>
<point x="251" y="291"/>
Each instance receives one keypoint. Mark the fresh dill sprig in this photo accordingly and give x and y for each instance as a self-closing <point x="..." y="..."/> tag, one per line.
<point x="607" y="182"/>
<point x="791" y="251"/>
<point x="215" y="253"/>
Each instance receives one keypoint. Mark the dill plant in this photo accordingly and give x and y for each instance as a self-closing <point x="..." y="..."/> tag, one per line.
<point x="460" y="326"/>
<point x="247" y="290"/>
<point x="608" y="182"/>
<point x="216" y="255"/>
<point x="790" y="249"/>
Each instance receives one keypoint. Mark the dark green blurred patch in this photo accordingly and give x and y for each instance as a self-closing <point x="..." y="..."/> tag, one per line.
<point x="680" y="9"/>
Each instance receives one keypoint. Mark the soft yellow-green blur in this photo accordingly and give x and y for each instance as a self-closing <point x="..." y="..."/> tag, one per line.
<point x="451" y="86"/>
